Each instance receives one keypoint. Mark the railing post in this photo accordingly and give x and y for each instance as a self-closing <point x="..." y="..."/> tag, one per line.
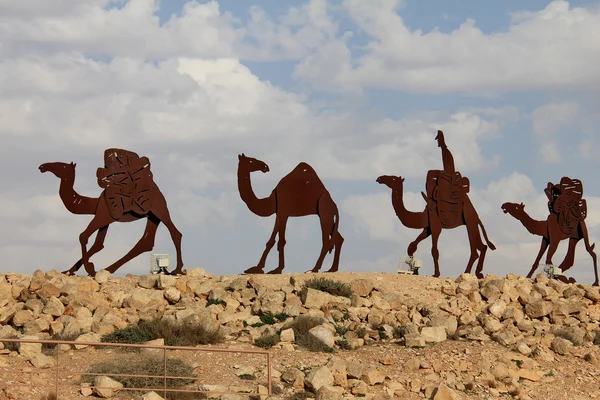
<point x="165" y="371"/>
<point x="269" y="377"/>
<point x="57" y="369"/>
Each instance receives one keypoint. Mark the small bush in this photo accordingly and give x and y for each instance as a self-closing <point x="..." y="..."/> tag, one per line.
<point x="267" y="341"/>
<point x="301" y="396"/>
<point x="215" y="302"/>
<point x="11" y="346"/>
<point x="597" y="338"/>
<point x="301" y="325"/>
<point x="330" y="286"/>
<point x="145" y="365"/>
<point x="343" y="344"/>
<point x="49" y="348"/>
<point x="49" y="396"/>
<point x="270" y="319"/>
<point x="341" y="330"/>
<point x="174" y="333"/>
<point x="247" y="377"/>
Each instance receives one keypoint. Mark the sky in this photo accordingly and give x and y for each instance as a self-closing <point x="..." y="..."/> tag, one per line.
<point x="355" y="88"/>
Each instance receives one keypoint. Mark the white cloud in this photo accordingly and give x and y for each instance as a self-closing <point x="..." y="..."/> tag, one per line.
<point x="553" y="48"/>
<point x="548" y="119"/>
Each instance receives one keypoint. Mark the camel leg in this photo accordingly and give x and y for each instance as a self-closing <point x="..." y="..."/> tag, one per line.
<point x="590" y="249"/>
<point x="100" y="220"/>
<point x="146" y="243"/>
<point x="161" y="212"/>
<point x="338" y="240"/>
<point x="96" y="247"/>
<point x="326" y="210"/>
<point x="478" y="248"/>
<point x="536" y="263"/>
<point x="570" y="257"/>
<point x="280" y="245"/>
<point x="475" y="244"/>
<point x="258" y="269"/>
<point x="551" y="249"/>
<point x="412" y="247"/>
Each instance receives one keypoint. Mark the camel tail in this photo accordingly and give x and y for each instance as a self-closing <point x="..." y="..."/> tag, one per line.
<point x="335" y="228"/>
<point x="490" y="244"/>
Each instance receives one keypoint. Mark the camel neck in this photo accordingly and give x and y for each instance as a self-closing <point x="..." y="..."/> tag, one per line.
<point x="73" y="201"/>
<point x="263" y="207"/>
<point x="410" y="219"/>
<point x="533" y="226"/>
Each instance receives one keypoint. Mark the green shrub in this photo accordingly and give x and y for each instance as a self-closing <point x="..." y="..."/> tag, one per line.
<point x="330" y="286"/>
<point x="267" y="341"/>
<point x="214" y="301"/>
<point x="301" y="325"/>
<point x="174" y="333"/>
<point x="11" y="346"/>
<point x="145" y="365"/>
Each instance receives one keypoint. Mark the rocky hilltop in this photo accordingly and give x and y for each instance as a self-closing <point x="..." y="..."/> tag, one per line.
<point x="369" y="336"/>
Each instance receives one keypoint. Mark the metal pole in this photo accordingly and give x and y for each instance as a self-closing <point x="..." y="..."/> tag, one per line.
<point x="269" y="377"/>
<point x="56" y="387"/>
<point x="165" y="371"/>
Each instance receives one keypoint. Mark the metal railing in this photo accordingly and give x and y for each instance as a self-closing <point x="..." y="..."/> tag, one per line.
<point x="164" y="376"/>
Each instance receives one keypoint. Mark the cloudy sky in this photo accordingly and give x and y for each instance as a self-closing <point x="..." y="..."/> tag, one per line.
<point x="355" y="88"/>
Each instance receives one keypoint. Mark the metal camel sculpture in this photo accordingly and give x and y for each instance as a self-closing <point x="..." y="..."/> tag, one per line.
<point x="297" y="194"/>
<point x="565" y="221"/>
<point x="129" y="194"/>
<point x="421" y="220"/>
<point x="448" y="207"/>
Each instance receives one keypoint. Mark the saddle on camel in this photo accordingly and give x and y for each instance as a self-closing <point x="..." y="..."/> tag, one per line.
<point x="565" y="200"/>
<point x="127" y="182"/>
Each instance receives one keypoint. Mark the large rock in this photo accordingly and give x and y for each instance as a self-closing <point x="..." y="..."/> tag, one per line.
<point x="443" y="392"/>
<point x="319" y="377"/>
<point x="144" y="298"/>
<point x="433" y="334"/>
<point x="106" y="387"/>
<point x="272" y="302"/>
<point x="538" y="309"/>
<point x="329" y="393"/>
<point x="312" y="298"/>
<point x="361" y="287"/>
<point x="54" y="307"/>
<point x="323" y="335"/>
<point x="466" y="284"/>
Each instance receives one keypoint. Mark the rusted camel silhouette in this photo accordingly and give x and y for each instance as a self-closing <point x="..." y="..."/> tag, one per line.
<point x="297" y="194"/>
<point x="433" y="226"/>
<point x="552" y="235"/>
<point x="111" y="207"/>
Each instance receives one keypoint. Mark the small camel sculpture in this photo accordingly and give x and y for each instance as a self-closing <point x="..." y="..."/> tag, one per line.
<point x="552" y="235"/>
<point x="112" y="206"/>
<point x="423" y="220"/>
<point x="297" y="194"/>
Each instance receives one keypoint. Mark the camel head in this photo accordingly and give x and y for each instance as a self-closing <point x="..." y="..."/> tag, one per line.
<point x="514" y="209"/>
<point x="440" y="138"/>
<point x="393" y="182"/>
<point x="252" y="164"/>
<point x="60" y="169"/>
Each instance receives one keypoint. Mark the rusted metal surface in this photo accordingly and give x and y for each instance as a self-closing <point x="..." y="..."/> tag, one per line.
<point x="566" y="220"/>
<point x="297" y="194"/>
<point x="448" y="207"/>
<point x="129" y="194"/>
<point x="164" y="376"/>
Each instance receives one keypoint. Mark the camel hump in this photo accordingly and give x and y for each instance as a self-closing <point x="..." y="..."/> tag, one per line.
<point x="127" y="181"/>
<point x="114" y="157"/>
